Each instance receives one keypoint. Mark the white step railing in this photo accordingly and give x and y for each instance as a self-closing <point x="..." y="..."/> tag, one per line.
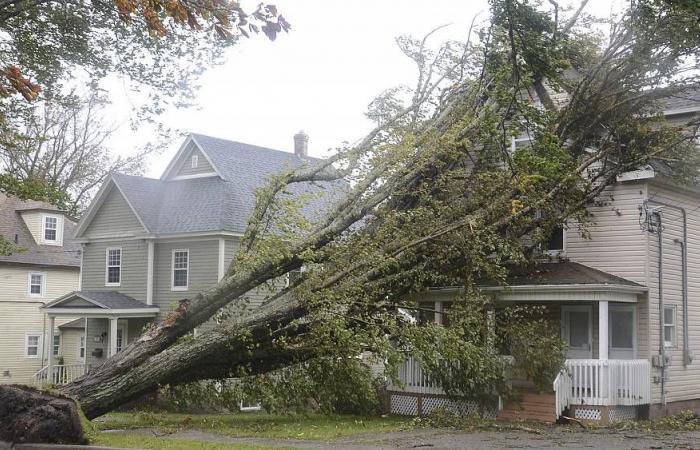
<point x="61" y="374"/>
<point x="603" y="382"/>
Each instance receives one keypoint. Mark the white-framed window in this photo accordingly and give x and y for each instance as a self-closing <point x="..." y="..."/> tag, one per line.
<point x="81" y="348"/>
<point x="669" y="326"/>
<point x="121" y="337"/>
<point x="180" y="270"/>
<point x="36" y="284"/>
<point x="194" y="161"/>
<point x="32" y="345"/>
<point x="556" y="241"/>
<point x="113" y="269"/>
<point x="50" y="229"/>
<point x="56" y="344"/>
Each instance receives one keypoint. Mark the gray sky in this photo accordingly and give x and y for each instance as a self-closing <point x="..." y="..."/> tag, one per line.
<point x="320" y="77"/>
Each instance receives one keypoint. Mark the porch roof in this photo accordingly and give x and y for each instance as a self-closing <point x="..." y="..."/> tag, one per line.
<point x="559" y="281"/>
<point x="565" y="281"/>
<point x="99" y="304"/>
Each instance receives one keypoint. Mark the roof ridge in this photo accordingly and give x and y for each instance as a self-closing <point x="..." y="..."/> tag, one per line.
<point x="257" y="147"/>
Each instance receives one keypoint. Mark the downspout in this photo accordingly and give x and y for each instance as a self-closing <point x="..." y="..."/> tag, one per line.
<point x="662" y="346"/>
<point x="687" y="357"/>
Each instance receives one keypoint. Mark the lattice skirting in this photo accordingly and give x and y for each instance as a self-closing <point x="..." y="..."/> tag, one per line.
<point x="423" y="404"/>
<point x="605" y="414"/>
<point x="619" y="413"/>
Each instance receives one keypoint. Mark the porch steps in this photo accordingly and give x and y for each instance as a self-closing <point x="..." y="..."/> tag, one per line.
<point x="530" y="406"/>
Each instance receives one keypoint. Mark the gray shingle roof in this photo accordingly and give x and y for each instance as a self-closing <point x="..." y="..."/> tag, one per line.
<point x="103" y="299"/>
<point x="213" y="203"/>
<point x="562" y="273"/>
<point x="11" y="224"/>
<point x="685" y="100"/>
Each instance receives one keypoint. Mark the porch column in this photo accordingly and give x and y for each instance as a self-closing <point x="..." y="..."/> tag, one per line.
<point x="603" y="330"/>
<point x="52" y="324"/>
<point x="149" y="272"/>
<point x="113" y="336"/>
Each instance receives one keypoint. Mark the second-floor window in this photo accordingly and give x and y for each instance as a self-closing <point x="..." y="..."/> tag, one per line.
<point x="195" y="161"/>
<point x="50" y="228"/>
<point x="113" y="275"/>
<point x="555" y="243"/>
<point x="36" y="284"/>
<point x="181" y="270"/>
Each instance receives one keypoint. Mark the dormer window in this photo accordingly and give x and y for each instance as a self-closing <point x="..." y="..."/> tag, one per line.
<point x="194" y="162"/>
<point x="50" y="228"/>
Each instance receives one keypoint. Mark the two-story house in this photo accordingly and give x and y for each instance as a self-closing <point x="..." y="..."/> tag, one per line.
<point x="47" y="266"/>
<point x="147" y="243"/>
<point x="626" y="298"/>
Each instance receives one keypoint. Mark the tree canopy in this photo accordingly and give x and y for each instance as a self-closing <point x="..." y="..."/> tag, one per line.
<point x="437" y="195"/>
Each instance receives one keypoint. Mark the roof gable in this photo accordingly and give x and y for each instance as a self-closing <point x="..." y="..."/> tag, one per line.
<point x="111" y="214"/>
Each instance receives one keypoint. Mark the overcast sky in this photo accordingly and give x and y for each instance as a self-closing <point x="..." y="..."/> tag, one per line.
<point x="320" y="77"/>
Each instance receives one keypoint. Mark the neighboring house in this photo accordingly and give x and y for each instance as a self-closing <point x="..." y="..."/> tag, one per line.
<point x="627" y="301"/>
<point x="47" y="267"/>
<point x="148" y="243"/>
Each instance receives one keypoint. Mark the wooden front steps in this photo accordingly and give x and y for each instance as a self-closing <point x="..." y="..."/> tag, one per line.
<point x="530" y="406"/>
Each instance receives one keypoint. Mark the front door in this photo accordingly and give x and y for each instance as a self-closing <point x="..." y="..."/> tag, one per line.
<point x="576" y="331"/>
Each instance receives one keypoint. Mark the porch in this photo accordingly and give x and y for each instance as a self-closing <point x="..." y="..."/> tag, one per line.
<point x="107" y="322"/>
<point x="599" y="319"/>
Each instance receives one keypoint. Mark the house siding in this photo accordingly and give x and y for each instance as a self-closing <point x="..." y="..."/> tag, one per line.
<point x="21" y="315"/>
<point x="681" y="382"/>
<point x="134" y="267"/>
<point x="114" y="217"/>
<point x="203" y="165"/>
<point x="203" y="270"/>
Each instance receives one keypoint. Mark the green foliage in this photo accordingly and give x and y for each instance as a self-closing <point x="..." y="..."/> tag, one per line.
<point x="329" y="385"/>
<point x="32" y="189"/>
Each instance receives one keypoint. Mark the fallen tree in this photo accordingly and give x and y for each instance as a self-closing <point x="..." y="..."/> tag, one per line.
<point x="436" y="195"/>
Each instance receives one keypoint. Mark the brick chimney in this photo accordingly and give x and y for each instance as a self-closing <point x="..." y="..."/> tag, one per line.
<point x="301" y="144"/>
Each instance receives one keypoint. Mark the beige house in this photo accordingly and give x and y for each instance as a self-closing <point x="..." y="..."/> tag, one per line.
<point x="627" y="300"/>
<point x="47" y="267"/>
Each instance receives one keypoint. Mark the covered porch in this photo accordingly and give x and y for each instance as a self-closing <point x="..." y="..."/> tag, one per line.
<point x="599" y="318"/>
<point x="107" y="322"/>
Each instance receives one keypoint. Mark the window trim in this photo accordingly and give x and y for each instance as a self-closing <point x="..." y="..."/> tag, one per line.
<point x="563" y="244"/>
<point x="194" y="161"/>
<point x="186" y="287"/>
<point x="623" y="308"/>
<point x="82" y="340"/>
<point x="673" y="325"/>
<point x="42" y="294"/>
<point x="107" y="266"/>
<point x="38" y="344"/>
<point x="56" y="241"/>
<point x="57" y="351"/>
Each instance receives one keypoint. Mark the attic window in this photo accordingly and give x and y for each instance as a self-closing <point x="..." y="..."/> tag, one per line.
<point x="195" y="161"/>
<point x="50" y="228"/>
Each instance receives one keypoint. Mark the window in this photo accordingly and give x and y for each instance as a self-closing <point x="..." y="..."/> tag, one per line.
<point x="31" y="347"/>
<point x="181" y="269"/>
<point x="621" y="327"/>
<point x="36" y="284"/>
<point x="113" y="274"/>
<point x="120" y="339"/>
<point x="294" y="275"/>
<point x="669" y="326"/>
<point x="50" y="228"/>
<point x="194" y="161"/>
<point x="426" y="312"/>
<point x="555" y="243"/>
<point x="81" y="347"/>
<point x="56" y="344"/>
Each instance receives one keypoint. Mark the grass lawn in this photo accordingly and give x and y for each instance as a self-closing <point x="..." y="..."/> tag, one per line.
<point x="258" y="425"/>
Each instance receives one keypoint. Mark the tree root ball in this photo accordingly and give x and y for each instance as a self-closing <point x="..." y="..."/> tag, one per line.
<point x="31" y="415"/>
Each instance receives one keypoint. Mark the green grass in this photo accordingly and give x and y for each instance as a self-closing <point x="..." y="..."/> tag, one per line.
<point x="261" y="425"/>
<point x="123" y="440"/>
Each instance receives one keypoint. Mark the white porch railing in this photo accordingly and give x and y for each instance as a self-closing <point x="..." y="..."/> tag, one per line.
<point x="61" y="374"/>
<point x="415" y="379"/>
<point x="603" y="383"/>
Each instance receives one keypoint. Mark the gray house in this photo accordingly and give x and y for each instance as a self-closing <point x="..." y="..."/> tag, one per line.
<point x="147" y="243"/>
